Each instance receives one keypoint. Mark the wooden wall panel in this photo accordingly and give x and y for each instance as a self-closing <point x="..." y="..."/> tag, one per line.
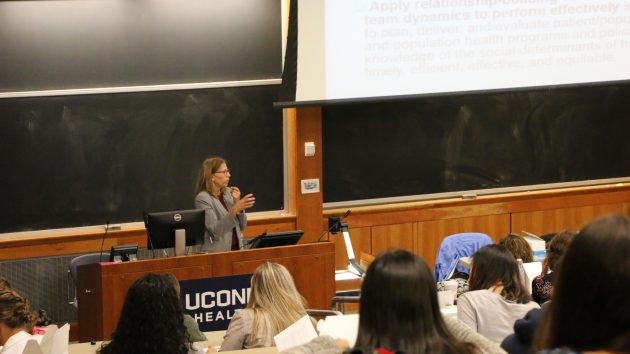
<point x="361" y="242"/>
<point x="393" y="236"/>
<point x="537" y="211"/>
<point x="308" y="207"/>
<point x="431" y="233"/>
<point x="548" y="221"/>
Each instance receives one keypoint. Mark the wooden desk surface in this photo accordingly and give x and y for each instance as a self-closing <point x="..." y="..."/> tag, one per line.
<point x="214" y="339"/>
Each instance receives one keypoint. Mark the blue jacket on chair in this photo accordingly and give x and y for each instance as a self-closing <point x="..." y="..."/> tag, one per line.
<point x="453" y="248"/>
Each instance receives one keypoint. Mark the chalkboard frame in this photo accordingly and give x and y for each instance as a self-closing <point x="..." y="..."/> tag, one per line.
<point x="474" y="193"/>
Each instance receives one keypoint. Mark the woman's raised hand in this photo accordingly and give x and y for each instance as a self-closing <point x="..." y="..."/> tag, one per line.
<point x="246" y="202"/>
<point x="236" y="193"/>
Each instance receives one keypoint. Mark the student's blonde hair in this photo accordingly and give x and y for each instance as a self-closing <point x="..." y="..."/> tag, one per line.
<point x="274" y="298"/>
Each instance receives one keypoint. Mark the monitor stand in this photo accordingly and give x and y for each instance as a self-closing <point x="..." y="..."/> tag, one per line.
<point x="180" y="242"/>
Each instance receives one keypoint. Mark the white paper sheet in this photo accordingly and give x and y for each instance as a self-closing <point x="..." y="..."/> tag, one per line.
<point x="299" y="333"/>
<point x="32" y="347"/>
<point x="55" y="341"/>
<point x="343" y="327"/>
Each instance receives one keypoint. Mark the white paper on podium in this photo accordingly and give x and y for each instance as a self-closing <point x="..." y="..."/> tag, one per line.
<point x="299" y="333"/>
<point x="343" y="327"/>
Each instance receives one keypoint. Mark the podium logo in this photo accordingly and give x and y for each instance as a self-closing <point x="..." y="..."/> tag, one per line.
<point x="221" y="298"/>
<point x="213" y="301"/>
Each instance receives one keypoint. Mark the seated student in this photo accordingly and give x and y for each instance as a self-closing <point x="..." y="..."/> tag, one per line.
<point x="497" y="297"/>
<point x="151" y="320"/>
<point x="542" y="285"/>
<point x="15" y="322"/>
<point x="274" y="304"/>
<point x="590" y="311"/>
<point x="518" y="247"/>
<point x="192" y="327"/>
<point x="399" y="312"/>
<point x="520" y="342"/>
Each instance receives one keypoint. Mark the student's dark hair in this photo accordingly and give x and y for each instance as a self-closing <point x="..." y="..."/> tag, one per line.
<point x="557" y="246"/>
<point x="399" y="309"/>
<point x="494" y="265"/>
<point x="151" y="320"/>
<point x="518" y="247"/>
<point x="590" y="308"/>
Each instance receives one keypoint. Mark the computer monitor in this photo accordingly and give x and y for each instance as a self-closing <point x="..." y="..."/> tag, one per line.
<point x="163" y="226"/>
<point x="274" y="239"/>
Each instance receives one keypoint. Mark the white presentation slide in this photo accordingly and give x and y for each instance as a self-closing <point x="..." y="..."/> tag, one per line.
<point x="408" y="47"/>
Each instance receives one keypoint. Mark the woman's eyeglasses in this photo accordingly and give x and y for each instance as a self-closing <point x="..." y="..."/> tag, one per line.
<point x="224" y="172"/>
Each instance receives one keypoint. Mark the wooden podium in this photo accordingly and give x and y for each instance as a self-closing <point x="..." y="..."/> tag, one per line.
<point x="101" y="287"/>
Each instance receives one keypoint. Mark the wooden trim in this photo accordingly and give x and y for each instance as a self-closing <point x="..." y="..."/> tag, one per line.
<point x="291" y="152"/>
<point x="488" y="199"/>
<point x="486" y="205"/>
<point x="309" y="207"/>
<point x="307" y="213"/>
<point x="72" y="241"/>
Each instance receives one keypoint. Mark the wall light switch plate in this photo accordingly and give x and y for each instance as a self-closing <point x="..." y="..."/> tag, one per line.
<point x="310" y="185"/>
<point x="309" y="148"/>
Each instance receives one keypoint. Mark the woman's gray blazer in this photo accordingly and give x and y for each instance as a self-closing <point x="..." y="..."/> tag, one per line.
<point x="219" y="224"/>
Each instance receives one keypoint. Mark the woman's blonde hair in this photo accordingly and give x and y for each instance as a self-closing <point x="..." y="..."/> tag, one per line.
<point x="14" y="310"/>
<point x="275" y="298"/>
<point x="208" y="167"/>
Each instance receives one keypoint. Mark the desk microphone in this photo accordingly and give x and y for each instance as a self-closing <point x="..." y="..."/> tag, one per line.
<point x="334" y="225"/>
<point x="100" y="258"/>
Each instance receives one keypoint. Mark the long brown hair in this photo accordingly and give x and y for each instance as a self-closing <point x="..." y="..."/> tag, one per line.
<point x="518" y="247"/>
<point x="151" y="319"/>
<point x="208" y="167"/>
<point x="495" y="265"/>
<point x="557" y="246"/>
<point x="14" y="310"/>
<point x="399" y="309"/>
<point x="590" y="308"/>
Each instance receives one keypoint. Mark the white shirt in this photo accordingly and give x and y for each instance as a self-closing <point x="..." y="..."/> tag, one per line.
<point x="490" y="314"/>
<point x="16" y="343"/>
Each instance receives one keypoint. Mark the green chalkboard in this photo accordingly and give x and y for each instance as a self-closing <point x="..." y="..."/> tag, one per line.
<point x="83" y="160"/>
<point x="471" y="142"/>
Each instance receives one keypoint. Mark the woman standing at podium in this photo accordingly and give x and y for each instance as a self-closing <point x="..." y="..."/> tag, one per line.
<point x="224" y="208"/>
